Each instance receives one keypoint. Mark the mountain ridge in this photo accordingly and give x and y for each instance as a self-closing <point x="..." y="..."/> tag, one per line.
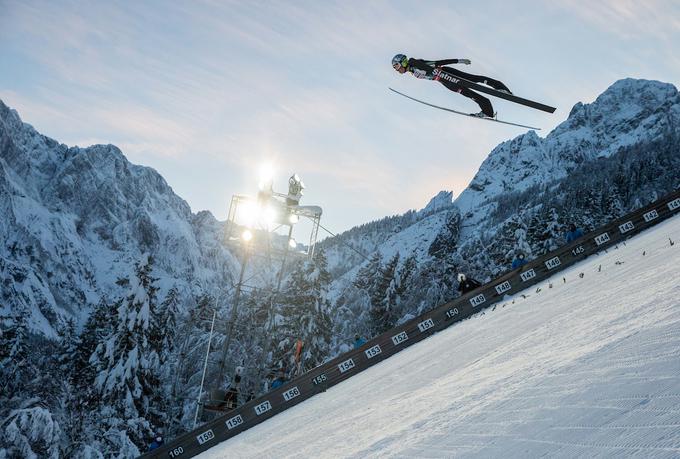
<point x="629" y="130"/>
<point x="89" y="214"/>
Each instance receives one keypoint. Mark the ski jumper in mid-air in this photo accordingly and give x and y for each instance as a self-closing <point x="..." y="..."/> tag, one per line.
<point x="432" y="70"/>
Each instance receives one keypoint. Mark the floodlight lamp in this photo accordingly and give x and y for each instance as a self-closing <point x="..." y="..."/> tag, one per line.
<point x="292" y="243"/>
<point x="292" y="218"/>
<point x="266" y="177"/>
<point x="295" y="187"/>
<point x="247" y="235"/>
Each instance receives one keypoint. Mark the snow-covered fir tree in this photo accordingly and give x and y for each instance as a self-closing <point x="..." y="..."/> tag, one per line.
<point x="183" y="366"/>
<point x="447" y="240"/>
<point x="384" y="297"/>
<point x="305" y="329"/>
<point x="403" y="280"/>
<point x="17" y="366"/>
<point x="28" y="394"/>
<point x="164" y="325"/>
<point x="128" y="365"/>
<point x="30" y="433"/>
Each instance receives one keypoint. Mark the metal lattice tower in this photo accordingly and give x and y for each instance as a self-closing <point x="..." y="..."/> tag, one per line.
<point x="262" y="227"/>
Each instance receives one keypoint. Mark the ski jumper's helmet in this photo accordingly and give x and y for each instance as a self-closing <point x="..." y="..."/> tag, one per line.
<point x="400" y="61"/>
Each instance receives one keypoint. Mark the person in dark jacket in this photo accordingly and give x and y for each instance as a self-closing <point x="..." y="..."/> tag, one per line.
<point x="231" y="397"/>
<point x="156" y="443"/>
<point x="466" y="284"/>
<point x="435" y="70"/>
<point x="358" y="341"/>
<point x="519" y="261"/>
<point x="280" y="379"/>
<point x="573" y="233"/>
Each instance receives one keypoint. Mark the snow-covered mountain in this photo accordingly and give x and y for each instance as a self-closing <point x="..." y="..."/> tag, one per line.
<point x="77" y="219"/>
<point x="78" y="223"/>
<point x="608" y="157"/>
<point x="628" y="113"/>
<point x="74" y="220"/>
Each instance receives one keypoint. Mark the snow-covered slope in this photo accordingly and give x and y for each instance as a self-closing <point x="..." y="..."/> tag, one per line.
<point x="587" y="368"/>
<point x="74" y="220"/>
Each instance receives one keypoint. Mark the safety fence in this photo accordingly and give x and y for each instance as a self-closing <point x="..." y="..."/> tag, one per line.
<point x="415" y="330"/>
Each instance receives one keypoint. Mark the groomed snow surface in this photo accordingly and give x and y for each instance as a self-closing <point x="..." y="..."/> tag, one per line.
<point x="588" y="368"/>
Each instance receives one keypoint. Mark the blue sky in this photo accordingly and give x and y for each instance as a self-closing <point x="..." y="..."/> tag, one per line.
<point x="206" y="91"/>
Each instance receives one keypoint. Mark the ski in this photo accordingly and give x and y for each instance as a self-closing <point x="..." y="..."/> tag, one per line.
<point x="442" y="74"/>
<point x="463" y="113"/>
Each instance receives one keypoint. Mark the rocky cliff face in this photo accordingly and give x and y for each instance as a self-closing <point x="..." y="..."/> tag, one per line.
<point x="629" y="112"/>
<point x="76" y="219"/>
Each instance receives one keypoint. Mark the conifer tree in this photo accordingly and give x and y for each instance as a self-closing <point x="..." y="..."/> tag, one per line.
<point x="367" y="275"/>
<point x="128" y="364"/>
<point x="162" y="342"/>
<point x="164" y="325"/>
<point x="446" y="241"/>
<point x="305" y="314"/>
<point x="384" y="296"/>
<point x="405" y="275"/>
<point x="27" y="426"/>
<point x="77" y="355"/>
<point x="16" y="362"/>
<point x="553" y="231"/>
<point x="69" y="342"/>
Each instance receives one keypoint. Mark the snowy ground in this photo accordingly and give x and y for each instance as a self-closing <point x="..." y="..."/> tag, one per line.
<point x="589" y="368"/>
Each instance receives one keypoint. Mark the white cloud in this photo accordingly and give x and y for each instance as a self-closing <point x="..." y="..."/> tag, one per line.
<point x="629" y="19"/>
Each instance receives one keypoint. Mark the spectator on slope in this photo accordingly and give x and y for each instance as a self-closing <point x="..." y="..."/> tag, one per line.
<point x="280" y="379"/>
<point x="157" y="443"/>
<point x="267" y="384"/>
<point x="231" y="397"/>
<point x="358" y="341"/>
<point x="573" y="233"/>
<point x="466" y="284"/>
<point x="519" y="261"/>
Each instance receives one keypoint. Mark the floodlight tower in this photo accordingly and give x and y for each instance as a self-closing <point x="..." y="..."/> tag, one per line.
<point x="246" y="238"/>
<point x="254" y="225"/>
